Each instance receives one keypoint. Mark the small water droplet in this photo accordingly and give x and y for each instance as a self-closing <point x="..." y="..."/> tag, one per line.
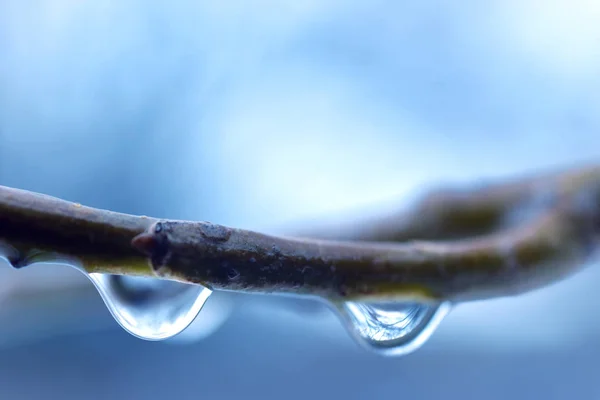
<point x="9" y="253"/>
<point x="17" y="259"/>
<point x="394" y="327"/>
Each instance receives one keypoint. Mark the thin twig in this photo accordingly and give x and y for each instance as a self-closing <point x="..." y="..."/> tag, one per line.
<point x="496" y="240"/>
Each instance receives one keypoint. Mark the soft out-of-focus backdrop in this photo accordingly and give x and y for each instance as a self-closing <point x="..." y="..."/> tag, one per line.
<point x="262" y="114"/>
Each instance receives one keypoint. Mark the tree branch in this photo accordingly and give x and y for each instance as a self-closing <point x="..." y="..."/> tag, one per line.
<point x="495" y="240"/>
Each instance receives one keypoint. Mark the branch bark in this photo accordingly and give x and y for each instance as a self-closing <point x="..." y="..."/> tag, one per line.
<point x="498" y="239"/>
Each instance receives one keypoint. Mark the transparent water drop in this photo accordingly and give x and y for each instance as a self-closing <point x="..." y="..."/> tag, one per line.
<point x="8" y="253"/>
<point x="214" y="314"/>
<point x="393" y="327"/>
<point x="148" y="308"/>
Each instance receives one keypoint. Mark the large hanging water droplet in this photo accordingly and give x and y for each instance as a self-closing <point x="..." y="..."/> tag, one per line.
<point x="394" y="327"/>
<point x="149" y="308"/>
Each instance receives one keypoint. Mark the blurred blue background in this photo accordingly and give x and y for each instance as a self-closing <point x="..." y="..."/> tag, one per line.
<point x="263" y="114"/>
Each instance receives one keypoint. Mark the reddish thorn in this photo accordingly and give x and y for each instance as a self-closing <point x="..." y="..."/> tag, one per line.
<point x="145" y="243"/>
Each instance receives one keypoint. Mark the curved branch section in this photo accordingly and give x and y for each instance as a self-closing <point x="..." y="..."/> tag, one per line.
<point x="520" y="259"/>
<point x="465" y="212"/>
<point x="486" y="245"/>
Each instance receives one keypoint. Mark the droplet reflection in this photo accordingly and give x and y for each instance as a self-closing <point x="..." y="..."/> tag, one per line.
<point x="393" y="328"/>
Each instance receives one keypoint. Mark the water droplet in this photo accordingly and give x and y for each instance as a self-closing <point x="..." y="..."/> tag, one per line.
<point x="18" y="259"/>
<point x="394" y="327"/>
<point x="9" y="253"/>
<point x="150" y="308"/>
